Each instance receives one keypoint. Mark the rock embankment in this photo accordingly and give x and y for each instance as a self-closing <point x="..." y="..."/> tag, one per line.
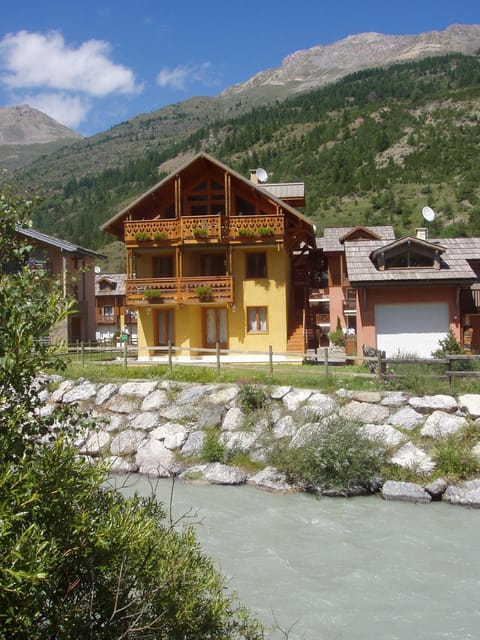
<point x="159" y="428"/>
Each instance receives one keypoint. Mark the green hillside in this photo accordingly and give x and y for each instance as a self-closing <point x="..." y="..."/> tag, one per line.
<point x="373" y="148"/>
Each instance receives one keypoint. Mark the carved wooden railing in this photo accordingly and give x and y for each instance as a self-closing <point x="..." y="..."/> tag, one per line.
<point x="203" y="228"/>
<point x="139" y="291"/>
<point x="199" y="229"/>
<point x="156" y="231"/>
<point x="256" y="228"/>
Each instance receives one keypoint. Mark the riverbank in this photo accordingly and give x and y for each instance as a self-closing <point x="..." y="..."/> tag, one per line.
<point x="165" y="429"/>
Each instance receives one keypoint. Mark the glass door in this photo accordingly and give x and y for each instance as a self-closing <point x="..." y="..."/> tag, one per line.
<point x="215" y="322"/>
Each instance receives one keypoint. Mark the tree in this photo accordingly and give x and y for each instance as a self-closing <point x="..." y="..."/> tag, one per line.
<point x="78" y="560"/>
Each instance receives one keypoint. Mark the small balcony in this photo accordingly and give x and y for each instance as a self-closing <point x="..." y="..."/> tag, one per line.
<point x="176" y="291"/>
<point x="349" y="306"/>
<point x="107" y="318"/>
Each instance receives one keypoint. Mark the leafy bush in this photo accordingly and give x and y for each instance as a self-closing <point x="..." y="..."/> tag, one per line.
<point x="265" y="231"/>
<point x="78" y="560"/>
<point x="337" y="337"/>
<point x="251" y="396"/>
<point x="212" y="449"/>
<point x="338" y="456"/>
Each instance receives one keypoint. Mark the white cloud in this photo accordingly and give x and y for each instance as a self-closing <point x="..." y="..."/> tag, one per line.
<point x="70" y="110"/>
<point x="183" y="75"/>
<point x="30" y="60"/>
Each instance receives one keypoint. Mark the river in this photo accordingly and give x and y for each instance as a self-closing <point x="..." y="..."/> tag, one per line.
<point x="338" y="569"/>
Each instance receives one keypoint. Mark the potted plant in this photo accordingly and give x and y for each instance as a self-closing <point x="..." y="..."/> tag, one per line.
<point x="200" y="232"/>
<point x="265" y="231"/>
<point x="159" y="236"/>
<point x="153" y="295"/>
<point x="245" y="233"/>
<point x="142" y="236"/>
<point x="204" y="293"/>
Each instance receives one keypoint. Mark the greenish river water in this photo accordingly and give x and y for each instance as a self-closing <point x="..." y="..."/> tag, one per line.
<point x="338" y="569"/>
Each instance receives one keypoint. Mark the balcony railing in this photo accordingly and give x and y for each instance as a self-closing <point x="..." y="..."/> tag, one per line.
<point x="198" y="229"/>
<point x="107" y="318"/>
<point x="350" y="304"/>
<point x="140" y="291"/>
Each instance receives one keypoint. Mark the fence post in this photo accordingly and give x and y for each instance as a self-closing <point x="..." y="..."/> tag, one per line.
<point x="379" y="365"/>
<point x="125" y="353"/>
<point x="449" y="369"/>
<point x="325" y="360"/>
<point x="270" y="360"/>
<point x="82" y="351"/>
<point x="217" y="355"/>
<point x="170" y="363"/>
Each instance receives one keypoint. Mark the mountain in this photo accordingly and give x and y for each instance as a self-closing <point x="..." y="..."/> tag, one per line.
<point x="27" y="134"/>
<point x="311" y="68"/>
<point x="372" y="147"/>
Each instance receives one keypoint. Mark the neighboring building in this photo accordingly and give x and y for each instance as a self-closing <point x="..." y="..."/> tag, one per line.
<point x="75" y="268"/>
<point x="111" y="312"/>
<point x="398" y="295"/>
<point x="214" y="257"/>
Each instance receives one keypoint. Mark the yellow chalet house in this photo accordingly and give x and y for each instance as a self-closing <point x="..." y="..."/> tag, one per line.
<point x="216" y="258"/>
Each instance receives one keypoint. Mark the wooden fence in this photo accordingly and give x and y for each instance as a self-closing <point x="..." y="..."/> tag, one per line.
<point x="378" y="366"/>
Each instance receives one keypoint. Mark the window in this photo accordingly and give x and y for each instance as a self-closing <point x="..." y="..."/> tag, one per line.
<point x="108" y="310"/>
<point x="256" y="265"/>
<point x="256" y="319"/>
<point x="244" y="207"/>
<point x="163" y="266"/>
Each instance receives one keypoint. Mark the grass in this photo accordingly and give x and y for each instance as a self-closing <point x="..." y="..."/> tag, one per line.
<point x="417" y="379"/>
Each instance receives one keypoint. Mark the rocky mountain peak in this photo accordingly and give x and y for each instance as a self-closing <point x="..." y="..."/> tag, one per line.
<point x="23" y="125"/>
<point x="309" y="68"/>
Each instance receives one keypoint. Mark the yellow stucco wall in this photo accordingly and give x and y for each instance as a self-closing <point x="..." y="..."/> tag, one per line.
<point x="269" y="292"/>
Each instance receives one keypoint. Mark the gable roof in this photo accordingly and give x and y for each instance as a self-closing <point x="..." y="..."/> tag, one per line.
<point x="113" y="278"/>
<point x="63" y="245"/>
<point x="335" y="238"/>
<point x="114" y="225"/>
<point x="454" y="265"/>
<point x="433" y="247"/>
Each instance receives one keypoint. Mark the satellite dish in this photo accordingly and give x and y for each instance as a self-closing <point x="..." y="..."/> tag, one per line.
<point x="428" y="213"/>
<point x="97" y="269"/>
<point x="261" y="174"/>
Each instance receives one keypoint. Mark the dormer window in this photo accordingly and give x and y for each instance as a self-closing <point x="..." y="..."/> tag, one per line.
<point x="408" y="253"/>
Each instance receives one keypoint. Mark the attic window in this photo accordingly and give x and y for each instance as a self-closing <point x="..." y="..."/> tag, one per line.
<point x="107" y="284"/>
<point x="407" y="256"/>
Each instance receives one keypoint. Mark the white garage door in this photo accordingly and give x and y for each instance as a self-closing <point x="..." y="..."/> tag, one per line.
<point x="411" y="328"/>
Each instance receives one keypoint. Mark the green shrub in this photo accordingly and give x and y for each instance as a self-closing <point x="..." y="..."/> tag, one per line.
<point x="212" y="449"/>
<point x="265" y="231"/>
<point x="338" y="456"/>
<point x="337" y="337"/>
<point x="453" y="455"/>
<point x="251" y="396"/>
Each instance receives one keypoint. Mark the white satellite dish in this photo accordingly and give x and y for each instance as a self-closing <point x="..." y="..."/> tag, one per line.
<point x="261" y="174"/>
<point x="428" y="213"/>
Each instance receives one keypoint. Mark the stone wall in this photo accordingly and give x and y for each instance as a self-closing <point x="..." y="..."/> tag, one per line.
<point x="158" y="428"/>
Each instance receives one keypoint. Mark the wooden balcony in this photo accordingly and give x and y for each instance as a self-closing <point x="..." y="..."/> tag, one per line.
<point x="178" y="291"/>
<point x="107" y="318"/>
<point x="204" y="229"/>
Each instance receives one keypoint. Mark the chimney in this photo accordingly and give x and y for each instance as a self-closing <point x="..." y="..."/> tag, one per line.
<point x="422" y="233"/>
<point x="253" y="176"/>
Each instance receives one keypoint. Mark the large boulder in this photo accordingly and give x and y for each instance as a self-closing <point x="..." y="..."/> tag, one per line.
<point x="440" y="402"/>
<point x="365" y="412"/>
<point x="217" y="473"/>
<point x="466" y="494"/>
<point x="411" y="457"/>
<point x="271" y="479"/>
<point x="440" y="424"/>
<point x="405" y="491"/>
<point x="154" y="459"/>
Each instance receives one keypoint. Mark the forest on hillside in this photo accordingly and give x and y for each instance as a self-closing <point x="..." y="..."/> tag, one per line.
<point x="373" y="148"/>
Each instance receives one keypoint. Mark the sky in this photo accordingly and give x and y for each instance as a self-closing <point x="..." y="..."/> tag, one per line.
<point x="93" y="64"/>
